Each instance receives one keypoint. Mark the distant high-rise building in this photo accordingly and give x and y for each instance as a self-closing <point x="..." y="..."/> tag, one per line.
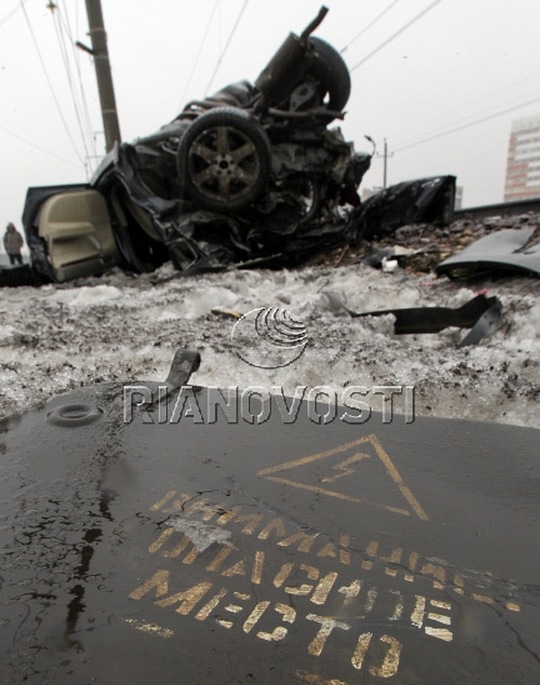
<point x="458" y="198"/>
<point x="523" y="165"/>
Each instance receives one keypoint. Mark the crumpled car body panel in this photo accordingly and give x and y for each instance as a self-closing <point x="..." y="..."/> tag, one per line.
<point x="507" y="250"/>
<point x="423" y="200"/>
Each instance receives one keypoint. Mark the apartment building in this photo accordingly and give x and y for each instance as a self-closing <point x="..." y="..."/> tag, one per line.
<point x="523" y="164"/>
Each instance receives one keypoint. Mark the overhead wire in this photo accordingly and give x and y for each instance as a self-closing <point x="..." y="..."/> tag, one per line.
<point x="224" y="51"/>
<point x="462" y="120"/>
<point x="371" y="23"/>
<point x="83" y="104"/>
<point x="447" y="132"/>
<point x="67" y="67"/>
<point x="497" y="90"/>
<point x="37" y="147"/>
<point x="452" y="129"/>
<point x="484" y="96"/>
<point x="49" y="82"/>
<point x="396" y="34"/>
<point x="8" y="16"/>
<point x="199" y="52"/>
<point x="76" y="59"/>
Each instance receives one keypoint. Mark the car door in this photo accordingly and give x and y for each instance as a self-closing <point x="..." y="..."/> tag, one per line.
<point x="77" y="230"/>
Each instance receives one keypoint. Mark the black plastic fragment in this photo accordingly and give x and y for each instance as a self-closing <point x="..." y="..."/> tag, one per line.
<point x="481" y="314"/>
<point x="485" y="326"/>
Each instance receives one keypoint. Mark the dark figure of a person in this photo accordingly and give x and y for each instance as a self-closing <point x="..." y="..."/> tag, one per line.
<point x="13" y="243"/>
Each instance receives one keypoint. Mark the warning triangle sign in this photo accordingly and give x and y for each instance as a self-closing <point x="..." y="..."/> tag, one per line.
<point x="358" y="472"/>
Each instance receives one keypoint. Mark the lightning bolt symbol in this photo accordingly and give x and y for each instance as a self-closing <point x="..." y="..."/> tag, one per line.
<point x="344" y="467"/>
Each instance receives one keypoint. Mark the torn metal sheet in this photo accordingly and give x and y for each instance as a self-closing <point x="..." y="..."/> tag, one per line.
<point x="482" y="314"/>
<point x="173" y="546"/>
<point x="511" y="250"/>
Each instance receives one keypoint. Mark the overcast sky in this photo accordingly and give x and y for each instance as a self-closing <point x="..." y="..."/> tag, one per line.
<point x="463" y="61"/>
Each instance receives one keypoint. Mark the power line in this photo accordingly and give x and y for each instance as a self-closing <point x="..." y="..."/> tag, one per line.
<point x="220" y="58"/>
<point x="462" y="120"/>
<point x="397" y="33"/>
<point x="64" y="55"/>
<point x="27" y="18"/>
<point x="80" y="102"/>
<point x="10" y="14"/>
<point x="464" y="126"/>
<point x="201" y="45"/>
<point x="465" y="103"/>
<point x="37" y="147"/>
<point x="371" y="23"/>
<point x="76" y="58"/>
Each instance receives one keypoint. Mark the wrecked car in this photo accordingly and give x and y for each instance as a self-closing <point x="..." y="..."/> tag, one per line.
<point x="250" y="175"/>
<point x="229" y="179"/>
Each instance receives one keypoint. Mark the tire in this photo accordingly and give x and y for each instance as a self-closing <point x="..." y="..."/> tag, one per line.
<point x="224" y="160"/>
<point x="332" y="73"/>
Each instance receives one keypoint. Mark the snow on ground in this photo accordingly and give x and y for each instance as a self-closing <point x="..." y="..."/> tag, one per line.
<point x="119" y="327"/>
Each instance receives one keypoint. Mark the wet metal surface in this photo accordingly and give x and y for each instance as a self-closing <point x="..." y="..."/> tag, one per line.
<point x="191" y="545"/>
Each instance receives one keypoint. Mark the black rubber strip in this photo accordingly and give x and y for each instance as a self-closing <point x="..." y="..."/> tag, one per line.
<point x="482" y="314"/>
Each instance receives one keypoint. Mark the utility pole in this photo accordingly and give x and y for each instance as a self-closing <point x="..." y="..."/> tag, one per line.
<point x="103" y="72"/>
<point x="385" y="162"/>
<point x="385" y="156"/>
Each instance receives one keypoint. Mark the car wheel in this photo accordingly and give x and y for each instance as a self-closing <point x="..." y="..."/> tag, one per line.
<point x="332" y="73"/>
<point x="224" y="159"/>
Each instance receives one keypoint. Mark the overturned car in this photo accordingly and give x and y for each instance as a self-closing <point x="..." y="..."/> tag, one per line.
<point x="250" y="174"/>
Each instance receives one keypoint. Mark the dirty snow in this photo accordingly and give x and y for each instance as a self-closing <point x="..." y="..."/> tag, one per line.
<point x="120" y="327"/>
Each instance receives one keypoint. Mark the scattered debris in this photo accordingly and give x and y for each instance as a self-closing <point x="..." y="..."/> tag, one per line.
<point x="226" y="313"/>
<point x="380" y="255"/>
<point x="482" y="314"/>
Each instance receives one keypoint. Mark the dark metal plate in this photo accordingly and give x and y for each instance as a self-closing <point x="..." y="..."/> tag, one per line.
<point x="219" y="551"/>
